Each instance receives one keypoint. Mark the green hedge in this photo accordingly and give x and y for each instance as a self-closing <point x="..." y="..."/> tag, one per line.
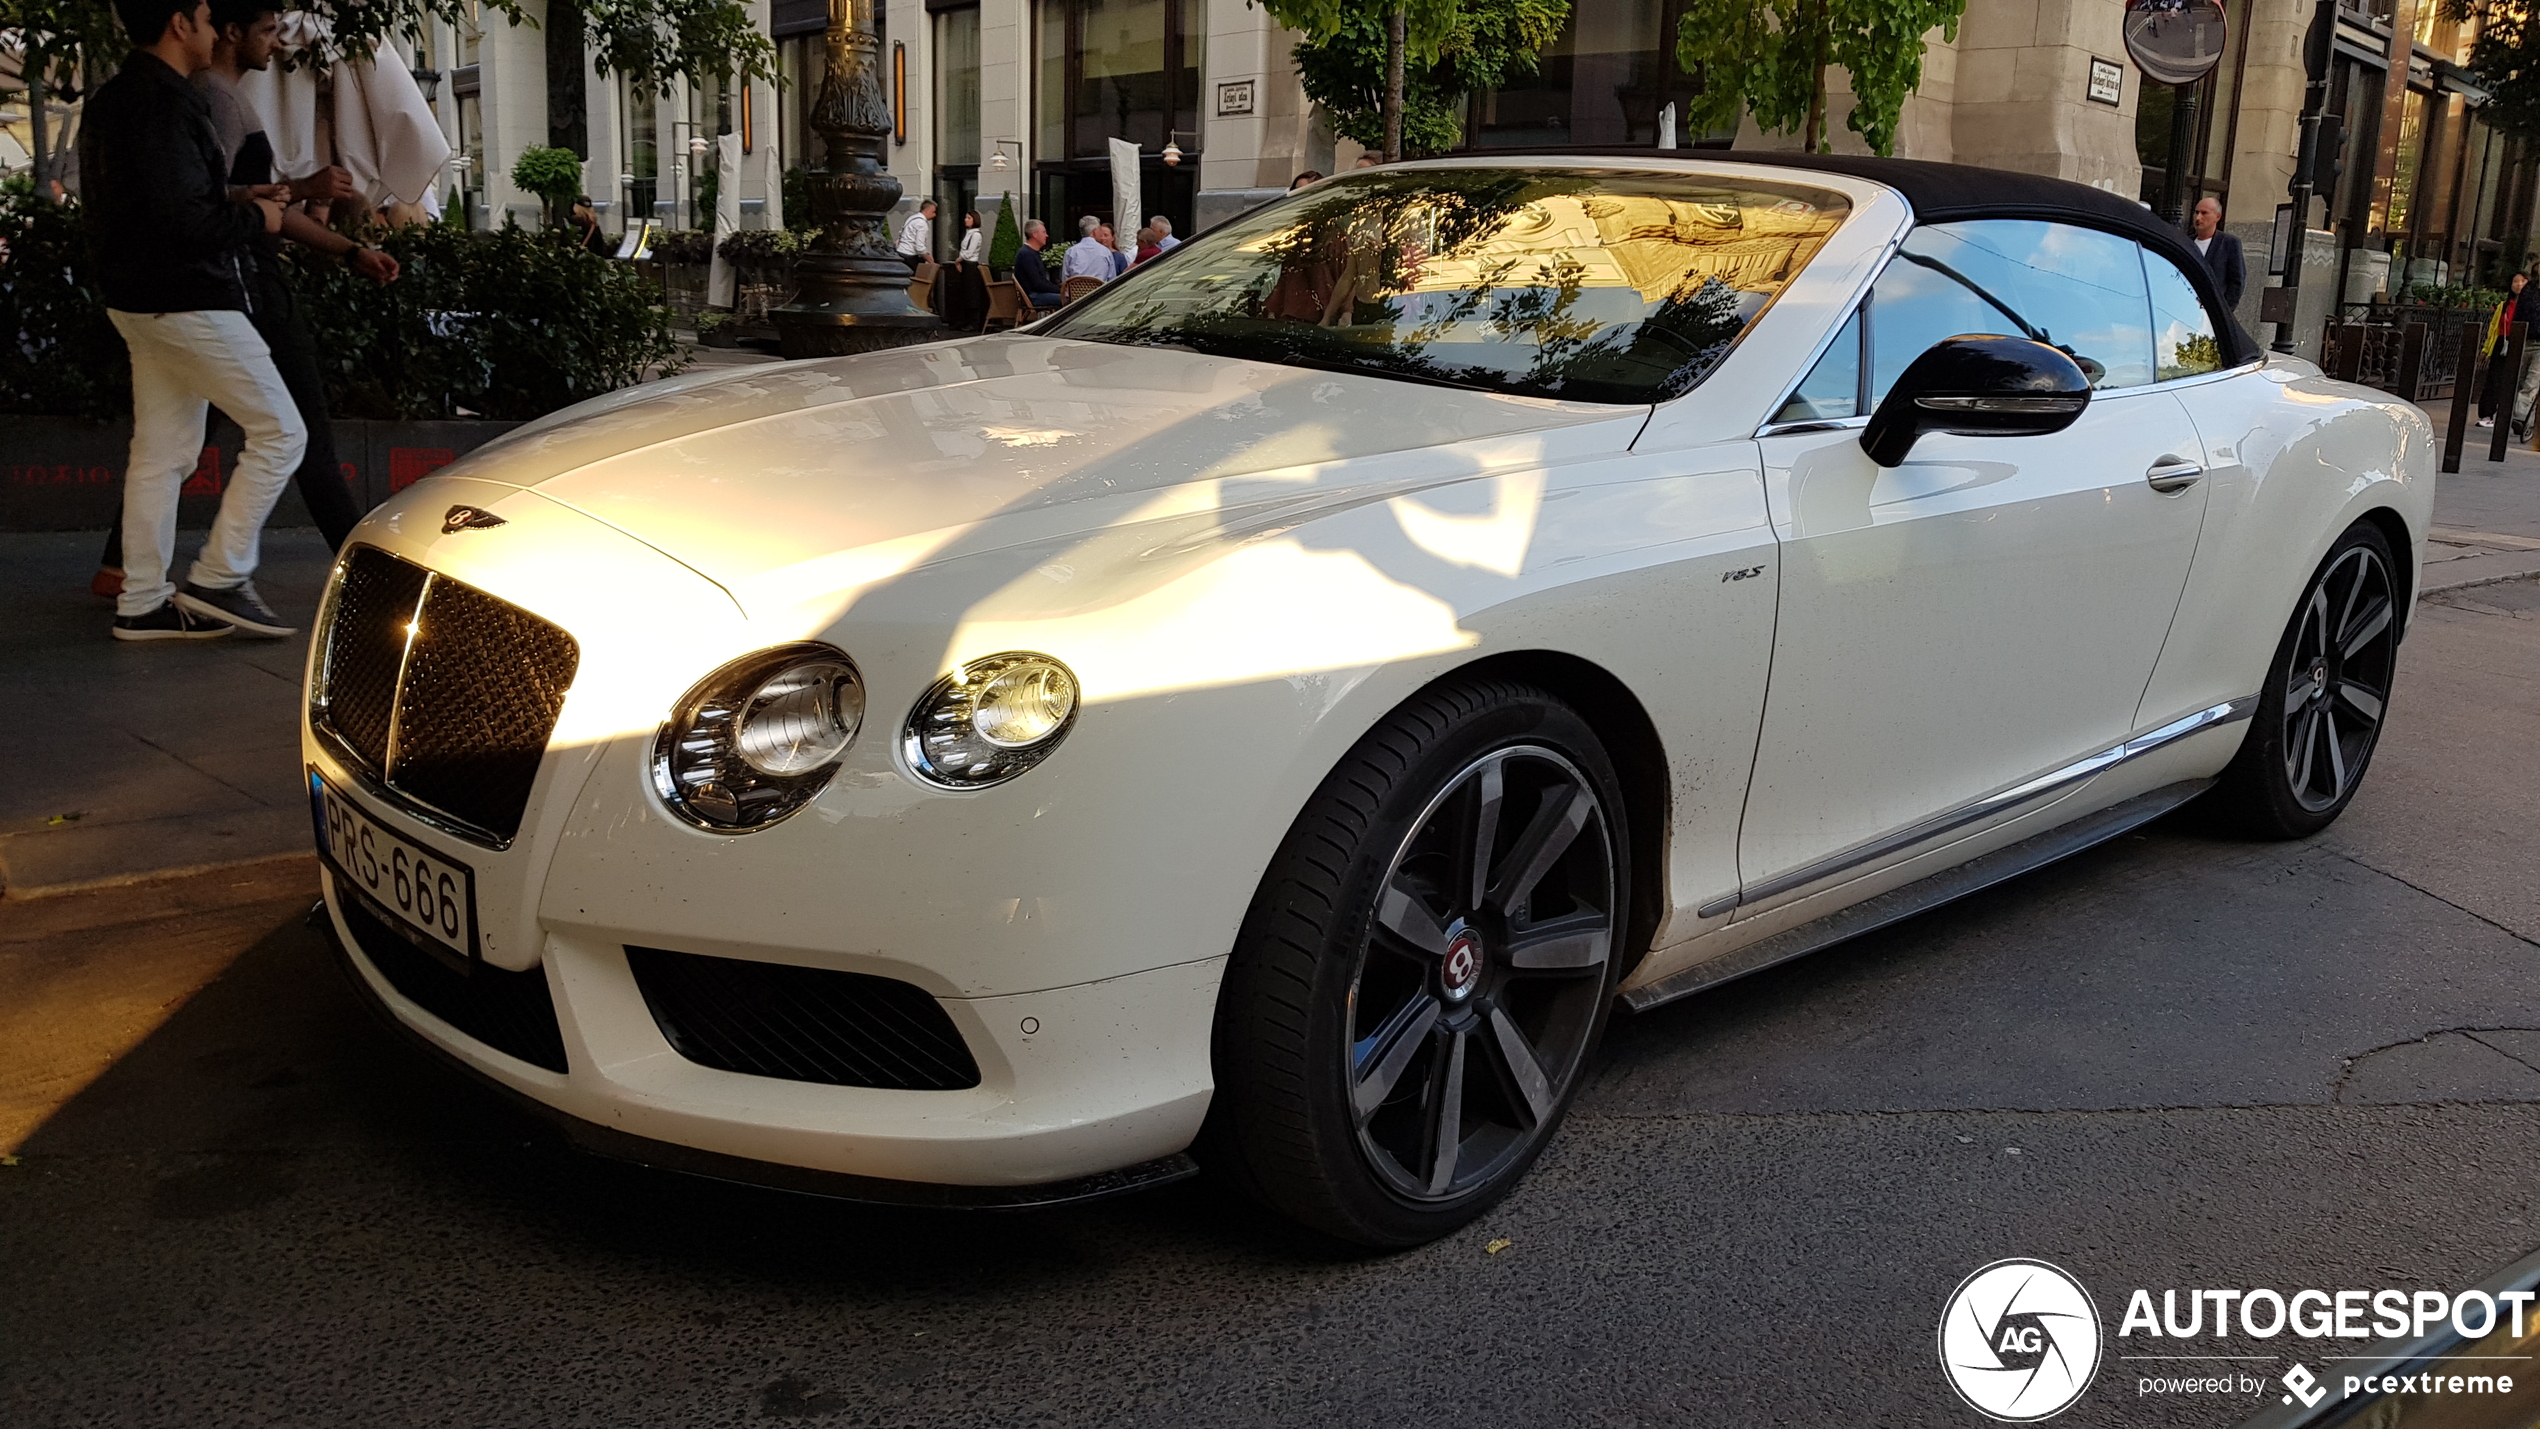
<point x="507" y="324"/>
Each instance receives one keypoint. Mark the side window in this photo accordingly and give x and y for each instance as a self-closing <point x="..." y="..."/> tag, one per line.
<point x="2073" y="288"/>
<point x="2183" y="340"/>
<point x="1833" y="388"/>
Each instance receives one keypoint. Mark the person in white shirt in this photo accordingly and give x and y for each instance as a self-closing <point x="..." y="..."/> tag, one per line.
<point x="917" y="236"/>
<point x="961" y="290"/>
<point x="1091" y="255"/>
<point x="1165" y="242"/>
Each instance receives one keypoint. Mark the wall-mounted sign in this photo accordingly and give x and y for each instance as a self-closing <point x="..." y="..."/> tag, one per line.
<point x="2175" y="41"/>
<point x="2107" y="81"/>
<point x="1235" y="97"/>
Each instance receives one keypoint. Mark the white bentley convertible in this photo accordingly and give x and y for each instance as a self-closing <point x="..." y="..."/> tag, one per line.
<point x="1267" y="715"/>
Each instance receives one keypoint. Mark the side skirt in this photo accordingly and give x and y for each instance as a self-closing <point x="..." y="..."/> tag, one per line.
<point x="1922" y="895"/>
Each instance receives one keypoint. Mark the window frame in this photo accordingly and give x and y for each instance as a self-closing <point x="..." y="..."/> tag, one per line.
<point x="1771" y="427"/>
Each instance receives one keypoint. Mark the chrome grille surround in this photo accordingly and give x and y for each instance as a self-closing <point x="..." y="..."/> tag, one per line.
<point x="440" y="696"/>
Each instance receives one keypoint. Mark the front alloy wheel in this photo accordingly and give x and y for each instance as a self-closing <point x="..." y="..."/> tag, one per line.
<point x="1426" y="968"/>
<point x="2320" y="713"/>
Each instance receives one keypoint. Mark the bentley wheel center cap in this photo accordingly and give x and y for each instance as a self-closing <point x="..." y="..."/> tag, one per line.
<point x="1462" y="970"/>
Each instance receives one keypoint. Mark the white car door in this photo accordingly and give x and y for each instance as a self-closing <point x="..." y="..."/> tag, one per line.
<point x="1991" y="609"/>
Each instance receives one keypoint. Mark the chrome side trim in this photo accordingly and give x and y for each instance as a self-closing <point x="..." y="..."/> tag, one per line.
<point x="1812" y="424"/>
<point x="1999" y="802"/>
<point x="1920" y="896"/>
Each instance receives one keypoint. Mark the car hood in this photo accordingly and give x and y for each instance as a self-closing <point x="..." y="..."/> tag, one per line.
<point x="762" y="479"/>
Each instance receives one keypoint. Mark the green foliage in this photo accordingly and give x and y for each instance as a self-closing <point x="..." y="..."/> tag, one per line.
<point x="763" y="245"/>
<point x="1768" y="58"/>
<point x="709" y="193"/>
<point x="510" y="324"/>
<point x="2506" y="59"/>
<point x="1427" y="28"/>
<point x="1007" y="241"/>
<point x="553" y="174"/>
<point x="1486" y="43"/>
<point x="683" y="245"/>
<point x="653" y="42"/>
<point x="67" y="358"/>
<point x="2451" y="295"/>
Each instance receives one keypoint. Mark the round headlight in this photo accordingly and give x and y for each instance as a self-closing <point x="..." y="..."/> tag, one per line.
<point x="990" y="720"/>
<point x="801" y="719"/>
<point x="759" y="738"/>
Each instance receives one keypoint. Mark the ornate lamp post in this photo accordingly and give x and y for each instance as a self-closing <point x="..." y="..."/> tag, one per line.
<point x="854" y="288"/>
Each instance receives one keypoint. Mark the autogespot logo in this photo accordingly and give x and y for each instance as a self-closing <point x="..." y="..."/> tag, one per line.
<point x="2019" y="1340"/>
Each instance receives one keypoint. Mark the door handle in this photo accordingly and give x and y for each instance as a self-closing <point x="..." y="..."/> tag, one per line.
<point x="2171" y="474"/>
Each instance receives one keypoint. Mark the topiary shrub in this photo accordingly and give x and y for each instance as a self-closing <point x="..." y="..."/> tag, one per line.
<point x="555" y="175"/>
<point x="1006" y="241"/>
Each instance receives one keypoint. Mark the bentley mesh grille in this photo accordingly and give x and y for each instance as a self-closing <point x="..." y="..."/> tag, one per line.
<point x="511" y="1012"/>
<point x="802" y="1024"/>
<point x="441" y="692"/>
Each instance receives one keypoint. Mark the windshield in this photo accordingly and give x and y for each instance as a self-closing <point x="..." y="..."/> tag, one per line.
<point x="1586" y="285"/>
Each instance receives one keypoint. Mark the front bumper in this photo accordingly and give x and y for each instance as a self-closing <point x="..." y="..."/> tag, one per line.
<point x="1102" y="1093"/>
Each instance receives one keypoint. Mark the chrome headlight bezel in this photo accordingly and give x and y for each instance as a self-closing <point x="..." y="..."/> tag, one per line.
<point x="699" y="771"/>
<point x="940" y="740"/>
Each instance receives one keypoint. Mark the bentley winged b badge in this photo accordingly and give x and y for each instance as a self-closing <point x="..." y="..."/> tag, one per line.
<point x="468" y="518"/>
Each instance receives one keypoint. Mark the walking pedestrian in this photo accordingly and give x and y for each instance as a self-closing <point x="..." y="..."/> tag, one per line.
<point x="1307" y="179"/>
<point x="249" y="34"/>
<point x="917" y="236"/>
<point x="2220" y="250"/>
<point x="2500" y="332"/>
<point x="171" y="253"/>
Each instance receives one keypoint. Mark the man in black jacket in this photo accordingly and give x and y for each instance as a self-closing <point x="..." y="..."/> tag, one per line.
<point x="171" y="257"/>
<point x="2220" y="250"/>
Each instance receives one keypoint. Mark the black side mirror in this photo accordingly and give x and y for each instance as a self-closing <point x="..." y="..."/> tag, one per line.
<point x="1974" y="386"/>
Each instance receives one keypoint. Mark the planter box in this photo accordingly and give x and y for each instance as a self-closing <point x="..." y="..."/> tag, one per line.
<point x="63" y="474"/>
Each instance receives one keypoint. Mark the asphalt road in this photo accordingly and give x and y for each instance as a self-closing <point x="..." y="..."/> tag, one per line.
<point x="2175" y="1061"/>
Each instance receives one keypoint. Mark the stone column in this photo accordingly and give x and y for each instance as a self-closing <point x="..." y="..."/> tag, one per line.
<point x="854" y="289"/>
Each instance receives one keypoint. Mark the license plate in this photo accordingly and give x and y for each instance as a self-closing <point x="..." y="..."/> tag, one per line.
<point x="423" y="894"/>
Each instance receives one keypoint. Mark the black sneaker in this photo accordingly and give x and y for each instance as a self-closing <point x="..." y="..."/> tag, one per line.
<point x="168" y="623"/>
<point x="239" y="606"/>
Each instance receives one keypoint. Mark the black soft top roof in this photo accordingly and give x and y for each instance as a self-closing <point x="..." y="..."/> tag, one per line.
<point x="1941" y="193"/>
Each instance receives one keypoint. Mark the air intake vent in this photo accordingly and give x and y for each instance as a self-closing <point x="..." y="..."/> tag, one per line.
<point x="511" y="1012"/>
<point x="440" y="692"/>
<point x="802" y="1024"/>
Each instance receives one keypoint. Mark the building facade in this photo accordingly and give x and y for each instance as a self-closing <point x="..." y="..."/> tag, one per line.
<point x="1017" y="99"/>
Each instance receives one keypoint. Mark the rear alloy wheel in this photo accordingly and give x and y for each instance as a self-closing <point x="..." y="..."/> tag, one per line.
<point x="2320" y="712"/>
<point x="1426" y="970"/>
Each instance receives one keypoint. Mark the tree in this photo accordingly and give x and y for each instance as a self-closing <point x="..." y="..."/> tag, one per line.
<point x="2506" y="59"/>
<point x="1769" y="58"/>
<point x="553" y="174"/>
<point x="1490" y="43"/>
<point x="1415" y="33"/>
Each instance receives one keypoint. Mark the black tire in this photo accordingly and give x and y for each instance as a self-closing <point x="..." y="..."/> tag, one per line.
<point x="2326" y="695"/>
<point x="1382" y="942"/>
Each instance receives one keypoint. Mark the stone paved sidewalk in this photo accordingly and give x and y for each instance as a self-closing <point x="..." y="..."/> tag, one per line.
<point x="140" y="760"/>
<point x="131" y="762"/>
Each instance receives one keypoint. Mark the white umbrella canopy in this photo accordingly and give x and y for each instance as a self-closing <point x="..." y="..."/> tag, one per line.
<point x="379" y="127"/>
<point x="1124" y="197"/>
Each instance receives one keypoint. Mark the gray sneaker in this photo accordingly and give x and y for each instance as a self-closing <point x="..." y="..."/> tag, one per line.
<point x="239" y="606"/>
<point x="168" y="623"/>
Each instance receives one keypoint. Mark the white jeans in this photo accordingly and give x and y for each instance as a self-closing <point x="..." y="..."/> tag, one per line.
<point x="181" y="363"/>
